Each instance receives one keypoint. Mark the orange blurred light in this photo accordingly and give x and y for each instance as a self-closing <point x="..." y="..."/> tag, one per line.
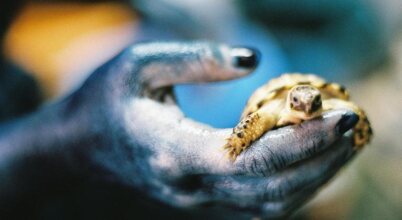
<point x="59" y="42"/>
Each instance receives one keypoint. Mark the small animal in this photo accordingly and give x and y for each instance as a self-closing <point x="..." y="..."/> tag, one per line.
<point x="292" y="99"/>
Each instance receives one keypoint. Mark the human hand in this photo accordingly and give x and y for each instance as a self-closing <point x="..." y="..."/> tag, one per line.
<point x="276" y="175"/>
<point x="122" y="126"/>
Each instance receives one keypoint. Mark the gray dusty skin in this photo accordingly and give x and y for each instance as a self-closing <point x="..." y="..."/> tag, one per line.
<point x="115" y="133"/>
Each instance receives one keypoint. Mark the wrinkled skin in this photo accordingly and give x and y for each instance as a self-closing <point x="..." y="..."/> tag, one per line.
<point x="112" y="148"/>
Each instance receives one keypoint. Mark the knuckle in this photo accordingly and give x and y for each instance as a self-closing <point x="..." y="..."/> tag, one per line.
<point x="274" y="210"/>
<point x="278" y="189"/>
<point x="272" y="191"/>
<point x="257" y="163"/>
<point x="165" y="165"/>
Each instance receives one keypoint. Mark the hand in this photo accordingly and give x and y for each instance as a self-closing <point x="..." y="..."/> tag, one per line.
<point x="122" y="127"/>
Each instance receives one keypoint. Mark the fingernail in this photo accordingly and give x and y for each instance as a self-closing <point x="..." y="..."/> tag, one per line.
<point x="347" y="122"/>
<point x="245" y="57"/>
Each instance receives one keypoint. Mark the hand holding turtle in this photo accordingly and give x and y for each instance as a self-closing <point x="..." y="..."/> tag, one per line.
<point x="121" y="127"/>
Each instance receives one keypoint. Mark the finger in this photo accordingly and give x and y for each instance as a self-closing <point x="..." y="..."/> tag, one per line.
<point x="284" y="201"/>
<point x="282" y="209"/>
<point x="280" y="191"/>
<point x="311" y="173"/>
<point x="183" y="147"/>
<point x="280" y="148"/>
<point x="165" y="64"/>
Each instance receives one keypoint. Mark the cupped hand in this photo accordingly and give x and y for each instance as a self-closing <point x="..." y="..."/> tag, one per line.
<point x="123" y="126"/>
<point x="184" y="161"/>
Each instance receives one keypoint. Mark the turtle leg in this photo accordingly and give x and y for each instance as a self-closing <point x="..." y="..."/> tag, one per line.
<point x="249" y="129"/>
<point x="362" y="132"/>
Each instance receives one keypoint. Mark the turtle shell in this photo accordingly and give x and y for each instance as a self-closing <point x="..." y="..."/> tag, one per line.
<point x="279" y="87"/>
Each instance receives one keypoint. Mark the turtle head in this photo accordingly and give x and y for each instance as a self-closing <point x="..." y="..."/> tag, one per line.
<point x="304" y="101"/>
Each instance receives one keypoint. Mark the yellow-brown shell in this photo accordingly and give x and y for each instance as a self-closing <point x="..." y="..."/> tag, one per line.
<point x="278" y="88"/>
<point x="263" y="111"/>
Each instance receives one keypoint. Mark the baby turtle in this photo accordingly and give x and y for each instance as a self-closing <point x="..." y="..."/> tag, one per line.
<point x="291" y="99"/>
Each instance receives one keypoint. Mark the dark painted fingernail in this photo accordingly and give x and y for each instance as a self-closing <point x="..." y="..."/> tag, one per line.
<point x="245" y="57"/>
<point x="347" y="122"/>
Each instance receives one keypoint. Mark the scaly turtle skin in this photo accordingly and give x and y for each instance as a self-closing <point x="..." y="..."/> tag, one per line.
<point x="291" y="99"/>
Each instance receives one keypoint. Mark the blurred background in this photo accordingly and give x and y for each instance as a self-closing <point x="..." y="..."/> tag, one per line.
<point x="50" y="47"/>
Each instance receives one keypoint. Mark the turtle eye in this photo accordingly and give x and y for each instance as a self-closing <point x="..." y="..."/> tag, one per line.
<point x="317" y="100"/>
<point x="295" y="99"/>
